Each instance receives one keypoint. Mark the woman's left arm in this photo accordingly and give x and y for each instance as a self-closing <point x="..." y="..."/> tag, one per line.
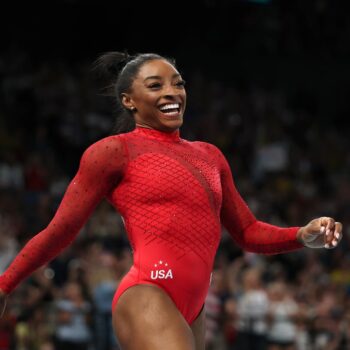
<point x="260" y="237"/>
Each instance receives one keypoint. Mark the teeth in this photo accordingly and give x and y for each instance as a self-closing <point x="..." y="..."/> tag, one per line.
<point x="169" y="106"/>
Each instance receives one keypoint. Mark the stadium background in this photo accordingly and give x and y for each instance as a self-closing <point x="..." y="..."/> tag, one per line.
<point x="268" y="82"/>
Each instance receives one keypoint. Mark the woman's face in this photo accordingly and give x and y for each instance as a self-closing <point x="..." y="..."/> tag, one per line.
<point x="159" y="96"/>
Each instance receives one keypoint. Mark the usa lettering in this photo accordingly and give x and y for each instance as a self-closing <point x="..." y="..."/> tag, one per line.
<point x="161" y="274"/>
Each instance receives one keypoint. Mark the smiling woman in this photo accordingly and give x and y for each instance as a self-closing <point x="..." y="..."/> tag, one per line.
<point x="173" y="195"/>
<point x="158" y="97"/>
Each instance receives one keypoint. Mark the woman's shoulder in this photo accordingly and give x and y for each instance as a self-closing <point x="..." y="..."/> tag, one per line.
<point x="209" y="151"/>
<point x="207" y="147"/>
<point x="107" y="144"/>
<point x="105" y="151"/>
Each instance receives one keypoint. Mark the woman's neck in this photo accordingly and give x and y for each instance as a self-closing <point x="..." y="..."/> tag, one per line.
<point x="157" y="134"/>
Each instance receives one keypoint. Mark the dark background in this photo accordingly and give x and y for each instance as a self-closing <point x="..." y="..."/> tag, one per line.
<point x="297" y="45"/>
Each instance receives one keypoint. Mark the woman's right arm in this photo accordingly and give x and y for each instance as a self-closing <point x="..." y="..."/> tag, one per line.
<point x="100" y="170"/>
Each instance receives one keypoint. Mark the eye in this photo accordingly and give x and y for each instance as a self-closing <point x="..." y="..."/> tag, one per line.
<point x="154" y="86"/>
<point x="181" y="83"/>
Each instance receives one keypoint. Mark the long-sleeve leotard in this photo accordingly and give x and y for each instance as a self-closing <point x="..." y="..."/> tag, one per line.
<point x="174" y="196"/>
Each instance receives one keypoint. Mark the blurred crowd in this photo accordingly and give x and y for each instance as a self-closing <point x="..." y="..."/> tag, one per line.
<point x="289" y="164"/>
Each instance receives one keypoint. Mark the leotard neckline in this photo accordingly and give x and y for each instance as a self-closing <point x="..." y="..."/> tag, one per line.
<point x="173" y="136"/>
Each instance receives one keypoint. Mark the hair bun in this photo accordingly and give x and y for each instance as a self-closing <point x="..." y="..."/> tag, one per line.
<point x="111" y="63"/>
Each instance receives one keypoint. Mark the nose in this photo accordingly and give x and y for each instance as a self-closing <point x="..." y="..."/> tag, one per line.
<point x="170" y="91"/>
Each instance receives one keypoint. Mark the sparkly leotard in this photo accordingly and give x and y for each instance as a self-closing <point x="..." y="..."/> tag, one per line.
<point x="173" y="195"/>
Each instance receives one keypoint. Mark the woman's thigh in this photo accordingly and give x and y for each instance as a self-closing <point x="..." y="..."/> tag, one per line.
<point x="198" y="330"/>
<point x="146" y="318"/>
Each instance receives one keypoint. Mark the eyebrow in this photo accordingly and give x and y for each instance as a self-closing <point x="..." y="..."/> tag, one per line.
<point x="159" y="77"/>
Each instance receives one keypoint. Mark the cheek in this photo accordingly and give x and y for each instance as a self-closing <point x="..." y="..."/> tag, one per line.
<point x="184" y="96"/>
<point x="142" y="97"/>
<point x="149" y="100"/>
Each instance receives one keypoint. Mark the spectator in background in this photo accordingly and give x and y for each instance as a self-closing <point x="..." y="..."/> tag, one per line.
<point x="34" y="332"/>
<point x="11" y="173"/>
<point x="105" y="262"/>
<point x="252" y="312"/>
<point x="73" y="329"/>
<point x="8" y="247"/>
<point x="7" y="329"/>
<point x="214" y="307"/>
<point x="282" y="317"/>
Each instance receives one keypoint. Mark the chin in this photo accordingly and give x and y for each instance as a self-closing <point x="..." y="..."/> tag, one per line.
<point x="172" y="125"/>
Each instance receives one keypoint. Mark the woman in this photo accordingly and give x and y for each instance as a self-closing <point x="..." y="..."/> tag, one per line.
<point x="173" y="196"/>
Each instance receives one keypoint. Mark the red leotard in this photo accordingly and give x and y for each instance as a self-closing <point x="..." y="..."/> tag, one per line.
<point x="173" y="196"/>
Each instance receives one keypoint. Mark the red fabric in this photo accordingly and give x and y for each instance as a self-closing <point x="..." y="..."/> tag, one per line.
<point x="173" y="196"/>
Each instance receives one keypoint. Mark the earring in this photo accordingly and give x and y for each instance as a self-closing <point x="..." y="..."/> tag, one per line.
<point x="132" y="109"/>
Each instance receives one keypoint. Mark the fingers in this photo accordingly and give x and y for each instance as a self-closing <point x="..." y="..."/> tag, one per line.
<point x="333" y="233"/>
<point x="338" y="229"/>
<point x="338" y="234"/>
<point x="323" y="232"/>
<point x="329" y="225"/>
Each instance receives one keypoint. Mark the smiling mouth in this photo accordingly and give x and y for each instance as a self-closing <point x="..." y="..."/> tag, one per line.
<point x="170" y="109"/>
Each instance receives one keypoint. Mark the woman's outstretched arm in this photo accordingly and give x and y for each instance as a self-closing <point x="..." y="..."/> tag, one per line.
<point x="101" y="167"/>
<point x="260" y="237"/>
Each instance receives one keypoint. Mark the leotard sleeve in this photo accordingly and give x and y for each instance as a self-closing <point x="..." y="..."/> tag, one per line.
<point x="101" y="167"/>
<point x="249" y="233"/>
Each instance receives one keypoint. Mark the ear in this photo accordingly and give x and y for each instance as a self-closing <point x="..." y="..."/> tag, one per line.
<point x="127" y="102"/>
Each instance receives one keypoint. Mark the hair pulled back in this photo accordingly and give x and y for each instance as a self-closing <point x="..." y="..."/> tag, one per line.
<point x="121" y="69"/>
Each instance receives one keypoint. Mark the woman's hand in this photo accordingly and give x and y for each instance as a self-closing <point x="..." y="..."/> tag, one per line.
<point x="3" y="300"/>
<point x="323" y="232"/>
